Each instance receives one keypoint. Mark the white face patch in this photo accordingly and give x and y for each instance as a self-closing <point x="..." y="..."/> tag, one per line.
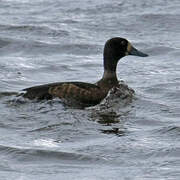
<point x="129" y="47"/>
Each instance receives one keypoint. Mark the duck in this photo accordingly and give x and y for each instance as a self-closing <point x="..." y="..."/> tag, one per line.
<point x="84" y="93"/>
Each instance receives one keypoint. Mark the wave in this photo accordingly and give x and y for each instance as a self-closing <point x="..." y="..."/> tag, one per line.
<point x="5" y="94"/>
<point x="37" y="29"/>
<point x="27" y="47"/>
<point x="172" y="130"/>
<point x="33" y="154"/>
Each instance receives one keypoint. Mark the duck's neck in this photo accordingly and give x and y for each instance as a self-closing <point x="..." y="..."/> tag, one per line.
<point x="108" y="80"/>
<point x="108" y="75"/>
<point x="110" y="63"/>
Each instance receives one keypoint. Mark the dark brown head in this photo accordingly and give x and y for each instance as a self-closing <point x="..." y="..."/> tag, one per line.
<point x="115" y="49"/>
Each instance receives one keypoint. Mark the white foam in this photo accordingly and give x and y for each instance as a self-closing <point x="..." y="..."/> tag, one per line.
<point x="45" y="142"/>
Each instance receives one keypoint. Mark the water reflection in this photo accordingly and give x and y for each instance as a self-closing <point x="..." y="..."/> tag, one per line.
<point x="108" y="118"/>
<point x="112" y="122"/>
<point x="115" y="131"/>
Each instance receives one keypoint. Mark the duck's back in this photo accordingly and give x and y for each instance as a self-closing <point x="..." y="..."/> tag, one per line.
<point x="86" y="93"/>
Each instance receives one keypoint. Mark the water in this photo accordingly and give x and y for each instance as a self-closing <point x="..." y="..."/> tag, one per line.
<point x="49" y="41"/>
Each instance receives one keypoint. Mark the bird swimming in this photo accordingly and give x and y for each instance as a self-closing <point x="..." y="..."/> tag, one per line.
<point x="83" y="93"/>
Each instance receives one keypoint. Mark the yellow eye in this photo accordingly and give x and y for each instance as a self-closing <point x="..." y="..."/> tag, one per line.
<point x="123" y="43"/>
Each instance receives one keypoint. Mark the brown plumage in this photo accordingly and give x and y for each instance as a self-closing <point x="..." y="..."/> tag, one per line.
<point x="85" y="93"/>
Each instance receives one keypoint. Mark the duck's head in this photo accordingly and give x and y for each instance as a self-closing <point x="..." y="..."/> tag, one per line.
<point x="115" y="49"/>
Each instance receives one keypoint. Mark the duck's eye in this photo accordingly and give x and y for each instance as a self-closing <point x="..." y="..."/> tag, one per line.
<point x="123" y="43"/>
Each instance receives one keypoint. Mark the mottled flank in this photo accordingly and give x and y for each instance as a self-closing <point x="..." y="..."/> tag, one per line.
<point x="88" y="94"/>
<point x="83" y="93"/>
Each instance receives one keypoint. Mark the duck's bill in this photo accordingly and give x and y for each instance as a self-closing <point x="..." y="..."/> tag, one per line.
<point x="136" y="52"/>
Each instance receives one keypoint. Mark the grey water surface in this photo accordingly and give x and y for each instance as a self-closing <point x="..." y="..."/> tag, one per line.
<point x="43" y="41"/>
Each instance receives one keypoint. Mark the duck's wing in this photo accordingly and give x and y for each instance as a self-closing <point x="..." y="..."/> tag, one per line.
<point x="77" y="90"/>
<point x="39" y="92"/>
